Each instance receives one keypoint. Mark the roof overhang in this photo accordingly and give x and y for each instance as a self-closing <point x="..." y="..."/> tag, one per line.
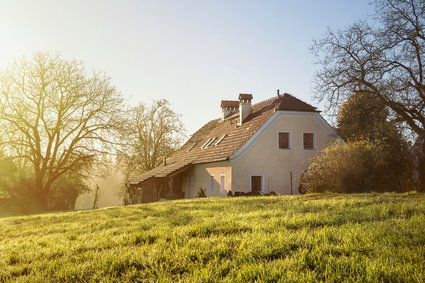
<point x="168" y="171"/>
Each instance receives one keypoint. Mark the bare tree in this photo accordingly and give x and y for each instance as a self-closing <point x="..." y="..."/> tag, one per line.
<point x="385" y="60"/>
<point x="155" y="132"/>
<point x="55" y="116"/>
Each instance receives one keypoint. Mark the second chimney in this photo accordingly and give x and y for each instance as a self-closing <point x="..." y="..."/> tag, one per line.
<point x="228" y="107"/>
<point x="244" y="106"/>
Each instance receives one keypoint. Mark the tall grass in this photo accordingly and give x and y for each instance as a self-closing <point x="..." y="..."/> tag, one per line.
<point x="333" y="238"/>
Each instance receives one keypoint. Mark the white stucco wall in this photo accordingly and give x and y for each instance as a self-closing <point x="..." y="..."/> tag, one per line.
<point x="263" y="156"/>
<point x="208" y="177"/>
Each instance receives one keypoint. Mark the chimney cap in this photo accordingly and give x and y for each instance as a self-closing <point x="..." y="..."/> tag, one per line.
<point x="245" y="96"/>
<point x="230" y="103"/>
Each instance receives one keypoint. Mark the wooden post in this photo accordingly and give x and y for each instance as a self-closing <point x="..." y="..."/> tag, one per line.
<point x="290" y="174"/>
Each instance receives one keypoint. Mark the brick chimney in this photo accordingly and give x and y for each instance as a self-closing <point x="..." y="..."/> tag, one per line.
<point x="228" y="107"/>
<point x="244" y="106"/>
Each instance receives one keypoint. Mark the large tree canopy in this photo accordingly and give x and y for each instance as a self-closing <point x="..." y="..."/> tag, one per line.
<point x="55" y="116"/>
<point x="385" y="59"/>
<point x="155" y="132"/>
<point x="364" y="116"/>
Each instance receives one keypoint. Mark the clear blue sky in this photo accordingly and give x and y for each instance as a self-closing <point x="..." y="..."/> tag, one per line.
<point x="194" y="53"/>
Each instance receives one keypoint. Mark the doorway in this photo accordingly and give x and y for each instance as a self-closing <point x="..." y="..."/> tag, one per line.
<point x="256" y="183"/>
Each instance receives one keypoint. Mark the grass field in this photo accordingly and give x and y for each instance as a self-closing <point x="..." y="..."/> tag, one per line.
<point x="364" y="237"/>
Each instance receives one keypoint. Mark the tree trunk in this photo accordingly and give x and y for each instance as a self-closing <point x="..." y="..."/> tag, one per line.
<point x="40" y="193"/>
<point x="39" y="201"/>
<point x="421" y="168"/>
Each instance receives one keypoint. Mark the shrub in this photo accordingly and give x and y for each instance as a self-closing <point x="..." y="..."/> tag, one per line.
<point x="357" y="166"/>
<point x="201" y="193"/>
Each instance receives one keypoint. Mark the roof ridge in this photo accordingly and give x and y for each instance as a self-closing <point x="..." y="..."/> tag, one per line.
<point x="266" y="100"/>
<point x="299" y="99"/>
<point x="292" y="103"/>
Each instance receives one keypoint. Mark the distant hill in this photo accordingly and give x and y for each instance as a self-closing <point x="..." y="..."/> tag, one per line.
<point x="330" y="237"/>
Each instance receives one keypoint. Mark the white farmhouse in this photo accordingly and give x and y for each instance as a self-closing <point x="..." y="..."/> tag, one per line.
<point x="257" y="148"/>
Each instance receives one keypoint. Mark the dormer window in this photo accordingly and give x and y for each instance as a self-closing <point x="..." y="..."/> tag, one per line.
<point x="208" y="143"/>
<point x="205" y="144"/>
<point x="219" y="141"/>
<point x="211" y="141"/>
<point x="191" y="147"/>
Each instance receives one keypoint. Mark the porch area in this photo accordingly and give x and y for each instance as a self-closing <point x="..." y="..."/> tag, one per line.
<point x="156" y="185"/>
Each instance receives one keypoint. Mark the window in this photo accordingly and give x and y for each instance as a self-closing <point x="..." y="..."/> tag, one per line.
<point x="207" y="143"/>
<point x="222" y="179"/>
<point x="191" y="147"/>
<point x="256" y="183"/>
<point x="308" y="139"/>
<point x="219" y="141"/>
<point x="212" y="183"/>
<point x="284" y="140"/>
<point x="210" y="142"/>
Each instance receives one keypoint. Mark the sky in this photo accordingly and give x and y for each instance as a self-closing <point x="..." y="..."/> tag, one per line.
<point x="194" y="53"/>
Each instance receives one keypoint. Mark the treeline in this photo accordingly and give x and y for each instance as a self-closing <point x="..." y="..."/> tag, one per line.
<point x="376" y="69"/>
<point x="56" y="121"/>
<point x="375" y="156"/>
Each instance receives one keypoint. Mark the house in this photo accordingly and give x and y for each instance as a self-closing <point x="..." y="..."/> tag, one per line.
<point x="257" y="148"/>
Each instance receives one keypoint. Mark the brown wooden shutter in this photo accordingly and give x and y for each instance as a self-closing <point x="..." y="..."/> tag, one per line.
<point x="308" y="141"/>
<point x="284" y="140"/>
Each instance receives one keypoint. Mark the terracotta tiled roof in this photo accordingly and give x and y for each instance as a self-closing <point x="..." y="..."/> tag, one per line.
<point x="219" y="139"/>
<point x="291" y="103"/>
<point x="161" y="171"/>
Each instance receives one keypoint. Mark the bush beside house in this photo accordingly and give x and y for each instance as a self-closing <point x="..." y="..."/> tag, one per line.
<point x="357" y="166"/>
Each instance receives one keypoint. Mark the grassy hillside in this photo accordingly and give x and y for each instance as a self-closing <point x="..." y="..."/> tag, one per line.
<point x="295" y="238"/>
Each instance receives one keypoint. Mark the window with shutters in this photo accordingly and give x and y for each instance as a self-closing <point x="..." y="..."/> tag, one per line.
<point x="308" y="139"/>
<point x="284" y="140"/>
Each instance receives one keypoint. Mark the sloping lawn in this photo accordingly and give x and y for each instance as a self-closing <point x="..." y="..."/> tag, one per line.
<point x="333" y="238"/>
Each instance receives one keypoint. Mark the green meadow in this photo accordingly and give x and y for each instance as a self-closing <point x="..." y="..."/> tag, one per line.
<point x="327" y="237"/>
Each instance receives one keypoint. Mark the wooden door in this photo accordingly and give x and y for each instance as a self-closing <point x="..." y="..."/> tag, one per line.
<point x="256" y="183"/>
